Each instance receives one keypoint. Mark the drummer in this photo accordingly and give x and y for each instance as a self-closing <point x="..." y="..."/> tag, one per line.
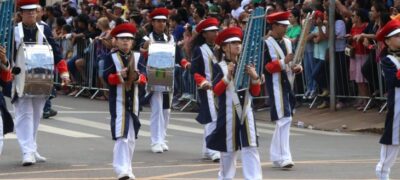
<point x="160" y="101"/>
<point x="28" y="111"/>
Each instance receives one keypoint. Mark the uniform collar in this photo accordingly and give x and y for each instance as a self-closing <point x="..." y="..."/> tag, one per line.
<point x="158" y="37"/>
<point x="211" y="46"/>
<point x="32" y="27"/>
<point x="395" y="53"/>
<point x="124" y="55"/>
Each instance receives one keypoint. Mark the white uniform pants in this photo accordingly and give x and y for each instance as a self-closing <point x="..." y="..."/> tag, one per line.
<point x="280" y="149"/>
<point x="159" y="119"/>
<point x="250" y="164"/>
<point x="208" y="129"/>
<point x="387" y="159"/>
<point x="1" y="135"/>
<point x="28" y="112"/>
<point x="123" y="152"/>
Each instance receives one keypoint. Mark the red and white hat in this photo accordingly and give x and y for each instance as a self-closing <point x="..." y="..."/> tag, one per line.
<point x="390" y="29"/>
<point x="159" y="13"/>
<point x="124" y="30"/>
<point x="279" y="17"/>
<point x="209" y="24"/>
<point x="233" y="34"/>
<point x="28" y="4"/>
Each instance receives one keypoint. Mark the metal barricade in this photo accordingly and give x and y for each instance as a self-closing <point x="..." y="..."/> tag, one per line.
<point x="83" y="67"/>
<point x="192" y="90"/>
<point x="347" y="88"/>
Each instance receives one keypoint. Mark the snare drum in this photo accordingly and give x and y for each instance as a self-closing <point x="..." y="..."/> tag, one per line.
<point x="160" y="67"/>
<point x="36" y="78"/>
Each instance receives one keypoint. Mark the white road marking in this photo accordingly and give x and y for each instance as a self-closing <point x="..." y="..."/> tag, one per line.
<point x="260" y="130"/>
<point x="10" y="136"/>
<point x="65" y="132"/>
<point x="93" y="124"/>
<point x="62" y="107"/>
<point x="178" y="127"/>
<point x="306" y="130"/>
<point x="261" y="127"/>
<point x="106" y="112"/>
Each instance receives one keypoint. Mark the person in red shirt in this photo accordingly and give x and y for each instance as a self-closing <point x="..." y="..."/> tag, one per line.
<point x="6" y="122"/>
<point x="359" y="56"/>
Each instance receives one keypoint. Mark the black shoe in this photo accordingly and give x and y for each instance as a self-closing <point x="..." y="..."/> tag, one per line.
<point x="124" y="178"/>
<point x="50" y="113"/>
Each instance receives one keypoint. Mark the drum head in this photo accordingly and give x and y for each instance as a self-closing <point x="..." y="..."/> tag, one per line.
<point x="19" y="80"/>
<point x="161" y="55"/>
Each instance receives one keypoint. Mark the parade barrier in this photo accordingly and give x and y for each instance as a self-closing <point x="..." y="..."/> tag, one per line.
<point x="347" y="90"/>
<point x="87" y="80"/>
<point x="83" y="65"/>
<point x="189" y="87"/>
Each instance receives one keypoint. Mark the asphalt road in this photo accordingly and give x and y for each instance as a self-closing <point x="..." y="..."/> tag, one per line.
<point x="77" y="143"/>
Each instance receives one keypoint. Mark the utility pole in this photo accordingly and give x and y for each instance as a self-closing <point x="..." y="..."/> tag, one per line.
<point x="331" y="22"/>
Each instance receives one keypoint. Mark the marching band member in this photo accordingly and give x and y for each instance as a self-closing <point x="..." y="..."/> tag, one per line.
<point x="28" y="110"/>
<point x="203" y="59"/>
<point x="121" y="74"/>
<point x="160" y="99"/>
<point x="390" y="140"/>
<point x="234" y="130"/>
<point x="278" y="53"/>
<point x="6" y="123"/>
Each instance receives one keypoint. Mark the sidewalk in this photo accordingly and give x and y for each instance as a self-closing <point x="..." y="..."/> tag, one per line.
<point x="344" y="120"/>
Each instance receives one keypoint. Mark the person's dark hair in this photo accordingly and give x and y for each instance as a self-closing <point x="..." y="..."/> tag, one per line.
<point x="198" y="40"/>
<point x="380" y="7"/>
<point x="307" y="10"/>
<point x="57" y="11"/>
<point x="338" y="16"/>
<point x="363" y="4"/>
<point x="119" y="21"/>
<point x="296" y="13"/>
<point x="183" y="14"/>
<point x="137" y="19"/>
<point x="385" y="18"/>
<point x="88" y="9"/>
<point x="49" y="10"/>
<point x="225" y="7"/>
<point x="170" y="6"/>
<point x="200" y="10"/>
<point x="176" y="18"/>
<point x="83" y="18"/>
<point x="363" y="14"/>
<point x="219" y="53"/>
<point x="319" y="7"/>
<point x="100" y="8"/>
<point x="72" y="11"/>
<point x="281" y="5"/>
<point x="60" y="22"/>
<point x="67" y="28"/>
<point x="92" y="23"/>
